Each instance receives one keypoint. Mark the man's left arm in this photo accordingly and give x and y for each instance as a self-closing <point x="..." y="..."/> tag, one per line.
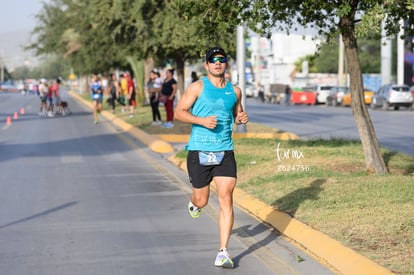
<point x="240" y="117"/>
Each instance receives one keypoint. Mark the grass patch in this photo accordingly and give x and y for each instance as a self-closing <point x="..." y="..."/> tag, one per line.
<point x="323" y="184"/>
<point x="371" y="214"/>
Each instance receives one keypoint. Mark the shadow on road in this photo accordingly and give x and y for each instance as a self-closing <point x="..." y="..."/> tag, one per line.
<point x="38" y="215"/>
<point x="288" y="204"/>
<point x="247" y="232"/>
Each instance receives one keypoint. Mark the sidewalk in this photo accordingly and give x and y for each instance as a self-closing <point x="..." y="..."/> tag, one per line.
<point x="329" y="251"/>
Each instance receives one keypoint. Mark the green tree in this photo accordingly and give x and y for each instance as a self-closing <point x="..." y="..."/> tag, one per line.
<point x="99" y="35"/>
<point x="326" y="58"/>
<point x="21" y="72"/>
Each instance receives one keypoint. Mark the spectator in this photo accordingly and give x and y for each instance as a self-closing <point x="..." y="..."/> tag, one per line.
<point x="288" y="92"/>
<point x="42" y="90"/>
<point x="123" y="91"/>
<point x="194" y="77"/>
<point x="153" y="88"/>
<point x="56" y="99"/>
<point x="50" y="96"/>
<point x="169" y="88"/>
<point x="131" y="94"/>
<point x="114" y="92"/>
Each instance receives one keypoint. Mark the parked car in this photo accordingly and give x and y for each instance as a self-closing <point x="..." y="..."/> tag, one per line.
<point x="412" y="91"/>
<point x="321" y="92"/>
<point x="250" y="89"/>
<point x="335" y="95"/>
<point x="392" y="96"/>
<point x="8" y="87"/>
<point x="368" y="94"/>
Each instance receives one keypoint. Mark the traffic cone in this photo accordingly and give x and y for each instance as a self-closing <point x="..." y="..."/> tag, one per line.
<point x="15" y="115"/>
<point x="22" y="111"/>
<point x="8" y="120"/>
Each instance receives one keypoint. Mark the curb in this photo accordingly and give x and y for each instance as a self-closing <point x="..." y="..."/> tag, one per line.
<point x="342" y="259"/>
<point x="155" y="144"/>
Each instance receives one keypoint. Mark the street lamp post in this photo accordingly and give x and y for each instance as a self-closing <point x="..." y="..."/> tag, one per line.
<point x="1" y="66"/>
<point x="241" y="71"/>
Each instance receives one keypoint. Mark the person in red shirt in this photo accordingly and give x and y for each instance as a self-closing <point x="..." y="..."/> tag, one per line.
<point x="169" y="89"/>
<point x="56" y="98"/>
<point x="131" y="94"/>
<point x="50" y="96"/>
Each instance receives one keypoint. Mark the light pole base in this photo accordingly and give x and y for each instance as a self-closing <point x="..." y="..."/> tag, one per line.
<point x="241" y="128"/>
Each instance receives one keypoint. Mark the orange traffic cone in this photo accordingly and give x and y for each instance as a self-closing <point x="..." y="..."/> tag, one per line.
<point x="15" y="115"/>
<point x="22" y="111"/>
<point x="8" y="120"/>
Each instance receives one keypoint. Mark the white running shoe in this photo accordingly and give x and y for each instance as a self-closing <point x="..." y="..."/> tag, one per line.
<point x="223" y="259"/>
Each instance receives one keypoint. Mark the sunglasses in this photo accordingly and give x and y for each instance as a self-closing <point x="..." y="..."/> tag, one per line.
<point x="220" y="59"/>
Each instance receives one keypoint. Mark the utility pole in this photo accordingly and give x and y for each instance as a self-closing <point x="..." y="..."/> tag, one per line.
<point x="1" y="66"/>
<point x="341" y="63"/>
<point x="241" y="72"/>
<point x="257" y="72"/>
<point x="400" y="55"/>
<point x="385" y="57"/>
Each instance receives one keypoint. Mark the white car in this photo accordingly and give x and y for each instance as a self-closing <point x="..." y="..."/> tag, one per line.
<point x="395" y="96"/>
<point x="250" y="89"/>
<point x="321" y="92"/>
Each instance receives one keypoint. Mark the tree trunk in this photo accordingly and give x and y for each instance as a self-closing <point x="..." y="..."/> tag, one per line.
<point x="374" y="160"/>
<point x="149" y="66"/>
<point x="180" y="76"/>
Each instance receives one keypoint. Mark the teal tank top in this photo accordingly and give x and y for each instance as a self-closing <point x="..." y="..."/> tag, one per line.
<point x="218" y="102"/>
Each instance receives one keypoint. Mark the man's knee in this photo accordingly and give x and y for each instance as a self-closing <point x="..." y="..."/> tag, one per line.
<point x="226" y="201"/>
<point x="199" y="199"/>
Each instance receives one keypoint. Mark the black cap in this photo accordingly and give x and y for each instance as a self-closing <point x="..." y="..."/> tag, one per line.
<point x="213" y="51"/>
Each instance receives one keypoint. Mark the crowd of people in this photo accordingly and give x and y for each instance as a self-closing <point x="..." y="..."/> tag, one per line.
<point x="122" y="91"/>
<point x="50" y="100"/>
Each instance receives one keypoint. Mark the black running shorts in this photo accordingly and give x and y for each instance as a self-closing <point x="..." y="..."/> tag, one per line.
<point x="201" y="176"/>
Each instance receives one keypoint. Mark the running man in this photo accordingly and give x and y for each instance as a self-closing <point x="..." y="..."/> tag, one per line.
<point x="97" y="96"/>
<point x="212" y="105"/>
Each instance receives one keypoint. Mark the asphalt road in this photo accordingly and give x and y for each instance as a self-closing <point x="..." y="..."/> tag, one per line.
<point x="393" y="128"/>
<point x="79" y="198"/>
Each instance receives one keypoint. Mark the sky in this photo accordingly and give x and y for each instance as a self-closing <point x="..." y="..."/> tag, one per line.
<point x="17" y="20"/>
<point x="19" y="15"/>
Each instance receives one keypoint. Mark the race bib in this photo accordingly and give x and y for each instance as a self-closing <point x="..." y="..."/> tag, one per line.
<point x="210" y="158"/>
<point x="95" y="96"/>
